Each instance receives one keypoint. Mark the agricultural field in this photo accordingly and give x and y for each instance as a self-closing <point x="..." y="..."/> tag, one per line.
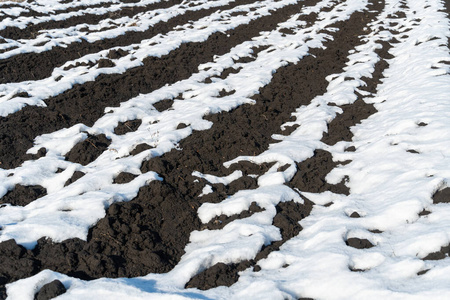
<point x="225" y="149"/>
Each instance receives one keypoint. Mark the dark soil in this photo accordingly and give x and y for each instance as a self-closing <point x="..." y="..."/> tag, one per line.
<point x="311" y="175"/>
<point x="76" y="175"/>
<point x="23" y="195"/>
<point x="343" y="122"/>
<point x="441" y="254"/>
<point x="124" y="177"/>
<point x="218" y="275"/>
<point x="442" y="196"/>
<point x="287" y="218"/>
<point x="88" y="150"/>
<point x="50" y="290"/>
<point x="128" y="126"/>
<point x="163" y="105"/>
<point x="359" y="243"/>
<point x="148" y="234"/>
<point x="221" y="221"/>
<point x="139" y="148"/>
<point x="339" y="128"/>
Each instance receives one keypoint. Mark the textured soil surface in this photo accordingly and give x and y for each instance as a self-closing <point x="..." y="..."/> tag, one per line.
<point x="149" y="233"/>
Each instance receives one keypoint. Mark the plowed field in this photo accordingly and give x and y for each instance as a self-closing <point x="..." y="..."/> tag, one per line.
<point x="168" y="149"/>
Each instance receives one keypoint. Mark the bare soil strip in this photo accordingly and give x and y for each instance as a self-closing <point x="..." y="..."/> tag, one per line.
<point x="339" y="128"/>
<point x="86" y="103"/>
<point x="148" y="234"/>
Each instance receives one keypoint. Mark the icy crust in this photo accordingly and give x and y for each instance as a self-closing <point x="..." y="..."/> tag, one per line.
<point x="389" y="186"/>
<point x="65" y="77"/>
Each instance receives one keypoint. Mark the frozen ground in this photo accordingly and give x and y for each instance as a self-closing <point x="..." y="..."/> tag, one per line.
<point x="386" y="238"/>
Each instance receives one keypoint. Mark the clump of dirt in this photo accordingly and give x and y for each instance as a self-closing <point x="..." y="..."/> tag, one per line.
<point x="15" y="263"/>
<point x="221" y="221"/>
<point x="219" y="274"/>
<point x="287" y="220"/>
<point x="355" y="215"/>
<point x="181" y="125"/>
<point x="117" y="53"/>
<point x="424" y="213"/>
<point x="50" y="290"/>
<point x="359" y="243"/>
<point x="124" y="177"/>
<point x="139" y="148"/>
<point x="311" y="174"/>
<point x="128" y="126"/>
<point x="163" y="105"/>
<point x="221" y="191"/>
<point x="88" y="150"/>
<point x="250" y="168"/>
<point x="40" y="153"/>
<point x="76" y="175"/>
<point x="106" y="63"/>
<point x="79" y="64"/>
<point x="441" y="254"/>
<point x="23" y="195"/>
<point x="339" y="128"/>
<point x="442" y="196"/>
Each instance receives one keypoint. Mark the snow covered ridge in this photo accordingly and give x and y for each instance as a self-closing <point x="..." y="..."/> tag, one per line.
<point x="400" y="160"/>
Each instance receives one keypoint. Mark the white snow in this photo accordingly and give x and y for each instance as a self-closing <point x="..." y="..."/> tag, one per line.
<point x="389" y="186"/>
